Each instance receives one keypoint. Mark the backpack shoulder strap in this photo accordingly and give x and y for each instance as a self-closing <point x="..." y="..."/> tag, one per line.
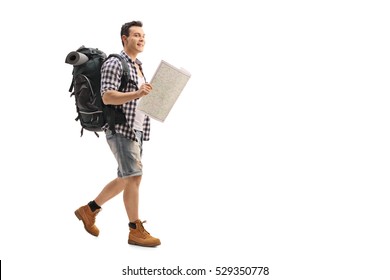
<point x="112" y="114"/>
<point x="126" y="71"/>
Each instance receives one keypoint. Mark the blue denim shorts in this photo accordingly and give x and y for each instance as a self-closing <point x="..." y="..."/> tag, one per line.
<point x="128" y="153"/>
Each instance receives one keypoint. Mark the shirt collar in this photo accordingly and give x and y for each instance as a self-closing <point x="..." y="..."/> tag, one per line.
<point x="129" y="59"/>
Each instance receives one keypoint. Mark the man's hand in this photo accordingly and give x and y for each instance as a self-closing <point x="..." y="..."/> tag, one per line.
<point x="144" y="89"/>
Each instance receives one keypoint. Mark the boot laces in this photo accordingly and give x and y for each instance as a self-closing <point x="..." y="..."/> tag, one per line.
<point x="142" y="227"/>
<point x="95" y="214"/>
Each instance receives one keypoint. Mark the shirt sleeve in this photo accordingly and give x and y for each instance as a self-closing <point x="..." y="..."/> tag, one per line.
<point x="111" y="72"/>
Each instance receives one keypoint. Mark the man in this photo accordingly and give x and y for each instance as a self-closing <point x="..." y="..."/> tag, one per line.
<point x="126" y="141"/>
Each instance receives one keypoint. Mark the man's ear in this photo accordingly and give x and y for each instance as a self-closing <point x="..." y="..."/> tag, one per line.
<point x="124" y="39"/>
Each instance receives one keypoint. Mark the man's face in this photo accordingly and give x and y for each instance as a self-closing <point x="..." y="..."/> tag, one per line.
<point x="136" y="40"/>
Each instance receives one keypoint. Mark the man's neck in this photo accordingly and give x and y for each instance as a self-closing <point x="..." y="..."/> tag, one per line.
<point x="133" y="56"/>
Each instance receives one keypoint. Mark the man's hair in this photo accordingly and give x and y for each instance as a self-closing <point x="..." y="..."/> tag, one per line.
<point x="125" y="30"/>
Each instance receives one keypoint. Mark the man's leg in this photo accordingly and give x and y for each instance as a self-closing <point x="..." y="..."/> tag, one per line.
<point x="138" y="235"/>
<point x="112" y="189"/>
<point x="87" y="213"/>
<point x="131" y="196"/>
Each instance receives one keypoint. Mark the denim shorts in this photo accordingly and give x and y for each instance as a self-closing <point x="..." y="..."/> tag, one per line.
<point x="128" y="153"/>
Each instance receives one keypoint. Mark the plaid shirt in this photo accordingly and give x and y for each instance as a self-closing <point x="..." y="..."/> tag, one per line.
<point x="111" y="78"/>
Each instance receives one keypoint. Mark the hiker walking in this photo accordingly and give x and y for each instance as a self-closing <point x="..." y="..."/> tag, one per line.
<point x="127" y="138"/>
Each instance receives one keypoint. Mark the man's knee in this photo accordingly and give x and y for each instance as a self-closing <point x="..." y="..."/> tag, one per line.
<point x="132" y="181"/>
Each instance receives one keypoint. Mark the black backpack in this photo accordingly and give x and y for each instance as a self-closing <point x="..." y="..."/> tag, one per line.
<point x="92" y="113"/>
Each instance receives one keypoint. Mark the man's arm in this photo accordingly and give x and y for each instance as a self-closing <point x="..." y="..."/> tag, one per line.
<point x="114" y="97"/>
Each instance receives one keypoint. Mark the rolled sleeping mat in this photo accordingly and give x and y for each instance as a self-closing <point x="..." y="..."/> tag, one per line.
<point x="76" y="58"/>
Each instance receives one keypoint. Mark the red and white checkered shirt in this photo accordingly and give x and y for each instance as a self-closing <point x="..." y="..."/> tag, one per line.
<point x="111" y="73"/>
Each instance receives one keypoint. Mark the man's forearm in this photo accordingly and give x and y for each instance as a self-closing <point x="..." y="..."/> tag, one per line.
<point x="113" y="97"/>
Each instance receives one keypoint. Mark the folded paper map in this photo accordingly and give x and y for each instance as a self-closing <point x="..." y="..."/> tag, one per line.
<point x="168" y="82"/>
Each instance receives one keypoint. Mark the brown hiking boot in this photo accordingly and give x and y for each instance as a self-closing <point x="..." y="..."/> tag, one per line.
<point x="139" y="236"/>
<point x="85" y="214"/>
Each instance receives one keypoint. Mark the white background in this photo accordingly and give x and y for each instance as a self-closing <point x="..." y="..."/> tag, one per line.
<point x="276" y="154"/>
